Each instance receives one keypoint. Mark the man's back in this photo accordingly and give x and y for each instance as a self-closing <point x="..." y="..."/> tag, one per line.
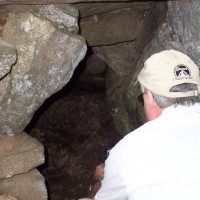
<point x="158" y="161"/>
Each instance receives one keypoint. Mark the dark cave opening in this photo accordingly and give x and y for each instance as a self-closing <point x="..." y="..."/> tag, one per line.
<point x="75" y="127"/>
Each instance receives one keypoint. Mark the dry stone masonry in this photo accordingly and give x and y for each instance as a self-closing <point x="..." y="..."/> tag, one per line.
<point x="40" y="47"/>
<point x="39" y="51"/>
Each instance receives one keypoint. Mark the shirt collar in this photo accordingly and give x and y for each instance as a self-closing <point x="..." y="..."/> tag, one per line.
<point x="172" y="110"/>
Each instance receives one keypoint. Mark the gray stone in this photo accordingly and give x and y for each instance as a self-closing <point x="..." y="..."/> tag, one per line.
<point x="115" y="97"/>
<point x="27" y="186"/>
<point x="89" y="9"/>
<point x="63" y="16"/>
<point x="121" y="57"/>
<point x="122" y="25"/>
<point x="8" y="57"/>
<point x="19" y="153"/>
<point x="47" y="58"/>
<point x="111" y="28"/>
<point x="118" y="57"/>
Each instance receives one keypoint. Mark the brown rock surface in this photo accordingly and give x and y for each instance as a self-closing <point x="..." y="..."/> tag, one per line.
<point x="19" y="154"/>
<point x="111" y="28"/>
<point x="27" y="186"/>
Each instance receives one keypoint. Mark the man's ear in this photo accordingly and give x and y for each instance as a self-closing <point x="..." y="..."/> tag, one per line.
<point x="152" y="109"/>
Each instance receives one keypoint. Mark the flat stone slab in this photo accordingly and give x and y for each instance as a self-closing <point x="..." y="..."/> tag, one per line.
<point x="19" y="153"/>
<point x="27" y="186"/>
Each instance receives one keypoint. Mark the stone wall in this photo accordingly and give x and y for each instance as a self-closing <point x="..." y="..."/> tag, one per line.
<point x="39" y="51"/>
<point x="40" y="48"/>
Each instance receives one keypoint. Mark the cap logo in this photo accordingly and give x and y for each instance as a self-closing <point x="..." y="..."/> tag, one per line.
<point x="182" y="71"/>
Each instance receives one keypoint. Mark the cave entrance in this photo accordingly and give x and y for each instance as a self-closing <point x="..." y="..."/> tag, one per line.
<point x="75" y="127"/>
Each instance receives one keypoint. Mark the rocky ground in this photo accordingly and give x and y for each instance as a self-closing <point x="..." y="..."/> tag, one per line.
<point x="75" y="128"/>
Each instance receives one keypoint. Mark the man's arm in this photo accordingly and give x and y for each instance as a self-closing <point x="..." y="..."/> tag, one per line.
<point x="112" y="185"/>
<point x="97" y="178"/>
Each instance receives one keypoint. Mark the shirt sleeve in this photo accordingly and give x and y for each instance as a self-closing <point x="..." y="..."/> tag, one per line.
<point x="113" y="187"/>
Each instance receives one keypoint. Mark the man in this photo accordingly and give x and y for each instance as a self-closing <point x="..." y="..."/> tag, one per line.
<point x="161" y="159"/>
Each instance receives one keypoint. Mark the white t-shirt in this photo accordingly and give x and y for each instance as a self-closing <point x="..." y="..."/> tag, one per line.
<point x="158" y="161"/>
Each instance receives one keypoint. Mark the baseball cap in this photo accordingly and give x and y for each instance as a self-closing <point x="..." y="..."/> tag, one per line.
<point x="169" y="68"/>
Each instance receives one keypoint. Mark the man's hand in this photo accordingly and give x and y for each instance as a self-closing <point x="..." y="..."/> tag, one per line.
<point x="97" y="178"/>
<point x="99" y="172"/>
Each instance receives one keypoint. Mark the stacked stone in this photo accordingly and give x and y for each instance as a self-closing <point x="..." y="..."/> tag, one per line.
<point x="38" y="56"/>
<point x="19" y="179"/>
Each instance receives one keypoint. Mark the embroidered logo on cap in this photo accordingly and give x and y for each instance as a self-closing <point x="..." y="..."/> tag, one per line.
<point x="182" y="71"/>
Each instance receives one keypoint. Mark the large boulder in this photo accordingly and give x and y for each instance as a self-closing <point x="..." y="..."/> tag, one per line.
<point x="47" y="58"/>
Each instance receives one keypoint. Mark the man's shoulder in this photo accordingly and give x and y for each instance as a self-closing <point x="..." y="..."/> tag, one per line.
<point x="147" y="128"/>
<point x="137" y="137"/>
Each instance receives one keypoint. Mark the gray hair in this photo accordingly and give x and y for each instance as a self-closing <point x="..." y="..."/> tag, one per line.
<point x="165" y="102"/>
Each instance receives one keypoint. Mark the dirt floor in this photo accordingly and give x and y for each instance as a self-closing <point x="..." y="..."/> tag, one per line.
<point x="75" y="128"/>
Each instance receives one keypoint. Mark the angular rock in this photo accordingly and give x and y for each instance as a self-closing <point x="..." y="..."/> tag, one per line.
<point x="121" y="57"/>
<point x="47" y="58"/>
<point x="89" y="9"/>
<point x="123" y="25"/>
<point x="19" y="154"/>
<point x="111" y="28"/>
<point x="118" y="57"/>
<point x="63" y="16"/>
<point x="116" y="86"/>
<point x="27" y="186"/>
<point x="8" y="57"/>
